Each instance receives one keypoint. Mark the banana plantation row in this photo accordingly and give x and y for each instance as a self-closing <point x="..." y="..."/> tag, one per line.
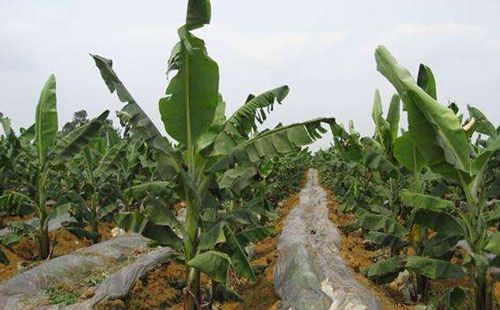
<point x="416" y="192"/>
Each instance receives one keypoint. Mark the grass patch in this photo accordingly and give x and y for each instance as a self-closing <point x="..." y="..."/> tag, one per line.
<point x="59" y="295"/>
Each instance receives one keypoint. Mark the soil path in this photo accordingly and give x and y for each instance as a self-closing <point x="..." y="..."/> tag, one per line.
<point x="310" y="272"/>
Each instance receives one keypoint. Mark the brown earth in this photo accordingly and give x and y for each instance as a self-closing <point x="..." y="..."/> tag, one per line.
<point x="23" y="254"/>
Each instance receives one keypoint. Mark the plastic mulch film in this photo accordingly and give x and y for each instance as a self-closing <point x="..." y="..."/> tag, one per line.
<point x="109" y="269"/>
<point x="310" y="272"/>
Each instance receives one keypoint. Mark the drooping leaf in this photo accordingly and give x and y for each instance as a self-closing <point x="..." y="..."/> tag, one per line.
<point x="434" y="268"/>
<point x="137" y="119"/>
<point x="74" y="141"/>
<point x="440" y="222"/>
<point x="212" y="237"/>
<point x="242" y="122"/>
<point x="437" y="130"/>
<point x="242" y="216"/>
<point x="385" y="271"/>
<point x="440" y="245"/>
<point x="46" y="120"/>
<point x="212" y="263"/>
<point x="81" y="233"/>
<point x="238" y="178"/>
<point x="163" y="235"/>
<point x="424" y="201"/>
<point x="239" y="258"/>
<point x="254" y="234"/>
<point x="379" y="222"/>
<point x="158" y="214"/>
<point x="385" y="239"/>
<point x="273" y="142"/>
<point x="130" y="221"/>
<point x="155" y="189"/>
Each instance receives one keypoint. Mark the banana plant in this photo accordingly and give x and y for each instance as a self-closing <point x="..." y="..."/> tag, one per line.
<point x="93" y="199"/>
<point x="207" y="144"/>
<point x="444" y="146"/>
<point x="50" y="152"/>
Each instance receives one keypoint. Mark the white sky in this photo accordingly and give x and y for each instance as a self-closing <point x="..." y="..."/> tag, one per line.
<point x="322" y="49"/>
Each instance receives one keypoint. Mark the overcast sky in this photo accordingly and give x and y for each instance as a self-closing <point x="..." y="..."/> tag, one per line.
<point x="322" y="49"/>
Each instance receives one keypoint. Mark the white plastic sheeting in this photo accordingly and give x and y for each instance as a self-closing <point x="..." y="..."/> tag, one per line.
<point x="123" y="259"/>
<point x="310" y="272"/>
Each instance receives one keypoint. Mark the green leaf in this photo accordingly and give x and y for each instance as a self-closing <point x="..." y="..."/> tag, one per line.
<point x="158" y="214"/>
<point x="155" y="189"/>
<point x="192" y="95"/>
<point x="46" y="120"/>
<point x="163" y="235"/>
<point x="407" y="153"/>
<point x="385" y="271"/>
<point x="109" y="161"/>
<point x="440" y="245"/>
<point x="275" y="142"/>
<point x="242" y="122"/>
<point x="379" y="222"/>
<point x="381" y="125"/>
<point x="424" y="201"/>
<point x="385" y="239"/>
<point x="393" y="116"/>
<point x="493" y="245"/>
<point x="455" y="298"/>
<point x="133" y="115"/>
<point x="239" y="258"/>
<point x="214" y="236"/>
<point x="441" y="222"/>
<point x="426" y="81"/>
<point x="434" y="268"/>
<point x="10" y="239"/>
<point x="7" y="129"/>
<point x="130" y="221"/>
<point x="212" y="263"/>
<point x="14" y="198"/>
<point x="430" y="123"/>
<point x="74" y="141"/>
<point x="3" y="258"/>
<point x="81" y="233"/>
<point x="374" y="156"/>
<point x="136" y="222"/>
<point x="254" y="234"/>
<point x="242" y="216"/>
<point x="482" y="124"/>
<point x="238" y="178"/>
<point x="198" y="14"/>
